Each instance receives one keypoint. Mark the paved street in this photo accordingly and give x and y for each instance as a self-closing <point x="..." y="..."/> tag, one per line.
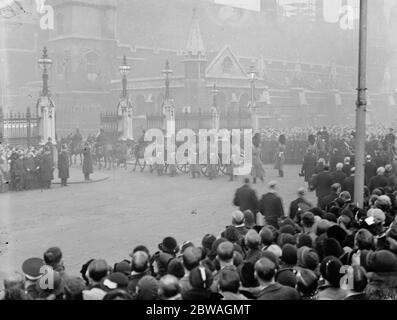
<point x="108" y="218"/>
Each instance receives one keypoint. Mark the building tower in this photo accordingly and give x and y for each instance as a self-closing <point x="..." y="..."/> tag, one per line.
<point x="195" y="63"/>
<point x="83" y="47"/>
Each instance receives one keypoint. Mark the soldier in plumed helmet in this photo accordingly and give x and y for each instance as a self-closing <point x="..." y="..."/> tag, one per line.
<point x="257" y="165"/>
<point x="279" y="157"/>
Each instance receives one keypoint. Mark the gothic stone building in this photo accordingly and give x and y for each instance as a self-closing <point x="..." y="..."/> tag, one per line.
<point x="304" y="77"/>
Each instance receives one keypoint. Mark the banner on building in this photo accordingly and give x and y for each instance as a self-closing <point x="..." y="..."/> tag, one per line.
<point x="254" y="5"/>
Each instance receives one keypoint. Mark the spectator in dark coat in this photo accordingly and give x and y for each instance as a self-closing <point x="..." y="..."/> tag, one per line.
<point x="308" y="166"/>
<point x="338" y="176"/>
<point x="139" y="269"/>
<point x="347" y="166"/>
<point x="87" y="163"/>
<point x="370" y="169"/>
<point x="379" y="160"/>
<point x="325" y="203"/>
<point x="271" y="205"/>
<point x="46" y="169"/>
<point x="322" y="184"/>
<point x="63" y="166"/>
<point x="201" y="280"/>
<point x="299" y="206"/>
<point x="30" y="169"/>
<point x="245" y="198"/>
<point x="265" y="271"/>
<point x="379" y="181"/>
<point x="17" y="172"/>
<point x="335" y="158"/>
<point x="348" y="183"/>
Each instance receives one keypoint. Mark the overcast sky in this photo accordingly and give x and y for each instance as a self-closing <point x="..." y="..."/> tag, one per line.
<point x="255" y="4"/>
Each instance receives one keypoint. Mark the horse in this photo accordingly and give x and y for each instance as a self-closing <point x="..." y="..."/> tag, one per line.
<point x="104" y="152"/>
<point x="120" y="153"/>
<point x="76" y="149"/>
<point x="138" y="152"/>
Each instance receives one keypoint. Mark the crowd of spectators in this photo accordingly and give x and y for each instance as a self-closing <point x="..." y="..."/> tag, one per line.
<point x="25" y="168"/>
<point x="339" y="253"/>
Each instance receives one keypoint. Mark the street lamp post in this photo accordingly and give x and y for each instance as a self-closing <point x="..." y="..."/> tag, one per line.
<point x="167" y="71"/>
<point x="45" y="105"/>
<point x="361" y="108"/>
<point x="253" y="73"/>
<point x="125" y="106"/>
<point x="215" y="111"/>
<point x="124" y="70"/>
<point x="45" y="64"/>
<point x="168" y="105"/>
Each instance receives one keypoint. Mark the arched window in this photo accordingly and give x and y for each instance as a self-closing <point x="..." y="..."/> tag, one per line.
<point x="227" y="65"/>
<point x="92" y="60"/>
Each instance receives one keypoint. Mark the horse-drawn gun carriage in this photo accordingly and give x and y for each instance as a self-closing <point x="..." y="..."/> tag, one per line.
<point x="214" y="164"/>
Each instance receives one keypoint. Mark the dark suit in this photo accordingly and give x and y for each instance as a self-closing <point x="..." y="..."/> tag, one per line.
<point x="325" y="202"/>
<point x="380" y="161"/>
<point x="338" y="177"/>
<point x="370" y="171"/>
<point x="377" y="182"/>
<point x="46" y="169"/>
<point x="308" y="166"/>
<point x="322" y="184"/>
<point x="272" y="208"/>
<point x="296" y="205"/>
<point x="348" y="185"/>
<point x="63" y="165"/>
<point x="346" y="169"/>
<point x="276" y="291"/>
<point x="246" y="199"/>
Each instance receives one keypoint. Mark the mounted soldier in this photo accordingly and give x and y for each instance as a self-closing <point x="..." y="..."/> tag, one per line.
<point x="103" y="148"/>
<point x="257" y="165"/>
<point x="76" y="146"/>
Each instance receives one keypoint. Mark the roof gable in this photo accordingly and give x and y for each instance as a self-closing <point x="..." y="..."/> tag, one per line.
<point x="225" y="64"/>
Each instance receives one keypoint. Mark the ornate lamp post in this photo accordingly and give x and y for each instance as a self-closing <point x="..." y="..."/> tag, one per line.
<point x="167" y="71"/>
<point x="45" y="105"/>
<point x="214" y="109"/>
<point x="253" y="73"/>
<point x="168" y="105"/>
<point x="45" y="64"/>
<point x="124" y="71"/>
<point x="125" y="106"/>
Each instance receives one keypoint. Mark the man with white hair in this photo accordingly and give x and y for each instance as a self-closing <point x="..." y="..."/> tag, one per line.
<point x="379" y="181"/>
<point x="378" y="220"/>
<point x="338" y="176"/>
<point x="348" y="183"/>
